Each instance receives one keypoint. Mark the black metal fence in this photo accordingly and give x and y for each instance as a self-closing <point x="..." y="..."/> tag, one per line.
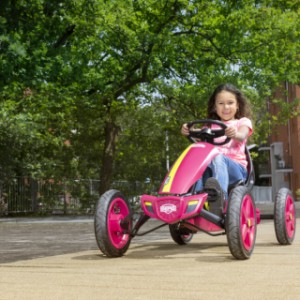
<point x="79" y="196"/>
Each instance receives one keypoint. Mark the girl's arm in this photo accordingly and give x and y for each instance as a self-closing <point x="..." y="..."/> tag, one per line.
<point x="240" y="135"/>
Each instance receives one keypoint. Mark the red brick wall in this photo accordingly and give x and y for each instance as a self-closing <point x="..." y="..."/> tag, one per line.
<point x="289" y="134"/>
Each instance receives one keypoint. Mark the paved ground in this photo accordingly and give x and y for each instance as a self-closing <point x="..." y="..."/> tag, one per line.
<point x="59" y="259"/>
<point x="23" y="239"/>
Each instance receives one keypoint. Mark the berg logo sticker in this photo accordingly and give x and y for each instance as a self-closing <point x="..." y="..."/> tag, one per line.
<point x="168" y="208"/>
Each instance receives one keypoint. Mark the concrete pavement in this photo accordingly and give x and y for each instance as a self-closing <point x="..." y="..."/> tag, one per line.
<point x="51" y="259"/>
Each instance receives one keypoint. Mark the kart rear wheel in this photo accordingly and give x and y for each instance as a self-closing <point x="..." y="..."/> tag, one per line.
<point x="180" y="235"/>
<point x="112" y="239"/>
<point x="241" y="223"/>
<point x="285" y="217"/>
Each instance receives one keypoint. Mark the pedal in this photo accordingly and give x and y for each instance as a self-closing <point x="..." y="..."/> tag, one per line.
<point x="213" y="195"/>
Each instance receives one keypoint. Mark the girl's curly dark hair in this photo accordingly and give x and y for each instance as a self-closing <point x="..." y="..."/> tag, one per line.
<point x="244" y="109"/>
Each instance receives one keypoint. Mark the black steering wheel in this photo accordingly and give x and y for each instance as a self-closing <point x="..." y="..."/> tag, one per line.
<point x="207" y="134"/>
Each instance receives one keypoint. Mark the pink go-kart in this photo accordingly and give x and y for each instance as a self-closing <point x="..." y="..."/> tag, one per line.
<point x="179" y="205"/>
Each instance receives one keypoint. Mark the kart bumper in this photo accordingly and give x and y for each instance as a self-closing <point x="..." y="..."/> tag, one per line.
<point x="171" y="209"/>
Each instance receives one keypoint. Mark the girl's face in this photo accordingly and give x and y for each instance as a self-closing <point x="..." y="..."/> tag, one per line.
<point x="226" y="105"/>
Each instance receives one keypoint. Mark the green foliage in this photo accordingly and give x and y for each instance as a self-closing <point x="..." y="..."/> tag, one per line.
<point x="69" y="68"/>
<point x="146" y="143"/>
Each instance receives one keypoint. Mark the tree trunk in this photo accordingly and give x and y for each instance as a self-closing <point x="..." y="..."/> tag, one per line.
<point x="111" y="134"/>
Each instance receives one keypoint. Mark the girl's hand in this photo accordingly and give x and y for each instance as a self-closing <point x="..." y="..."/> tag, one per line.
<point x="239" y="135"/>
<point x="231" y="132"/>
<point x="185" y="130"/>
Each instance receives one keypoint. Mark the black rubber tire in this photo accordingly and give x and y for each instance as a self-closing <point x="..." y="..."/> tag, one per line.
<point x="179" y="236"/>
<point x="284" y="217"/>
<point x="241" y="223"/>
<point x="104" y="235"/>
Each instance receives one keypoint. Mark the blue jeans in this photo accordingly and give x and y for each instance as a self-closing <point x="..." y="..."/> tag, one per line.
<point x="225" y="170"/>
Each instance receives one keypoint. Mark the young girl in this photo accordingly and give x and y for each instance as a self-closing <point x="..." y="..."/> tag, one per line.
<point x="228" y="105"/>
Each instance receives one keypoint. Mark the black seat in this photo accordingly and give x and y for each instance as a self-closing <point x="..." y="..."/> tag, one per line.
<point x="251" y="175"/>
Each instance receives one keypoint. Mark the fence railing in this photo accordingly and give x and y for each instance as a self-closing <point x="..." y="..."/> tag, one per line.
<point x="25" y="195"/>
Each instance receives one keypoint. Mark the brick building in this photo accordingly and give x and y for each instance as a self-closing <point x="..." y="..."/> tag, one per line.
<point x="289" y="135"/>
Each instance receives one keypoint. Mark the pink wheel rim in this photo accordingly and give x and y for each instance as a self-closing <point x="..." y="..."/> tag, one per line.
<point x="289" y="216"/>
<point x="117" y="211"/>
<point x="247" y="222"/>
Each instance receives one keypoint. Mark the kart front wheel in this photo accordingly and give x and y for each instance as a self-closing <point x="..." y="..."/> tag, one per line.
<point x="241" y="223"/>
<point x="285" y="217"/>
<point x="112" y="237"/>
<point x="181" y="236"/>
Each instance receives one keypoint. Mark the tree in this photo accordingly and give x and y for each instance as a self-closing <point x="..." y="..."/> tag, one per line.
<point x="92" y="62"/>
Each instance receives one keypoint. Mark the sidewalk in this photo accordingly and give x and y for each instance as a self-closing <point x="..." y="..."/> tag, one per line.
<point x="49" y="219"/>
<point x="267" y="209"/>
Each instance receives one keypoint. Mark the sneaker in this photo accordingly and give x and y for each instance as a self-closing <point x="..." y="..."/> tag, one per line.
<point x="215" y="196"/>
